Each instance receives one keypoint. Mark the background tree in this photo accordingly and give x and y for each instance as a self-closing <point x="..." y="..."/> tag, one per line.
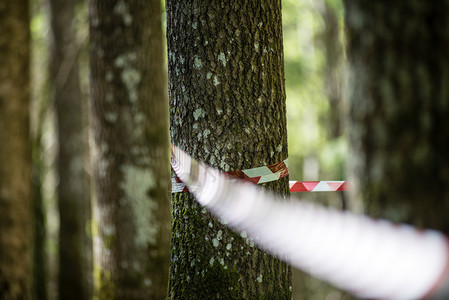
<point x="73" y="188"/>
<point x="332" y="38"/>
<point x="15" y="152"/>
<point x="227" y="108"/>
<point x="129" y="122"/>
<point x="40" y="268"/>
<point x="400" y="108"/>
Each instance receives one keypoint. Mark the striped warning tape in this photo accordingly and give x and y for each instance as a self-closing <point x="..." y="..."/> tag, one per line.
<point x="372" y="259"/>
<point x="263" y="174"/>
<point x="270" y="173"/>
<point x="256" y="175"/>
<point x="177" y="186"/>
<point x="295" y="186"/>
<point x="318" y="186"/>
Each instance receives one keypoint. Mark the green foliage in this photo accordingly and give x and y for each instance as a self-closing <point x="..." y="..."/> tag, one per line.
<point x="308" y="106"/>
<point x="314" y="154"/>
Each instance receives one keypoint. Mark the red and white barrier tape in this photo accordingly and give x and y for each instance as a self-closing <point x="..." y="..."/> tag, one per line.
<point x="369" y="258"/>
<point x="263" y="174"/>
<point x="318" y="186"/>
<point x="295" y="186"/>
<point x="256" y="175"/>
<point x="274" y="172"/>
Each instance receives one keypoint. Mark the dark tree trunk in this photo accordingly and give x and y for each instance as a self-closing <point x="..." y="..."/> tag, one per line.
<point x="39" y="225"/>
<point x="73" y="189"/>
<point x="129" y="123"/>
<point x="227" y="108"/>
<point x="15" y="152"/>
<point x="399" y="115"/>
<point x="334" y="63"/>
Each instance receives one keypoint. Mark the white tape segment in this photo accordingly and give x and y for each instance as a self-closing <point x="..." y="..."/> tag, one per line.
<point x="369" y="258"/>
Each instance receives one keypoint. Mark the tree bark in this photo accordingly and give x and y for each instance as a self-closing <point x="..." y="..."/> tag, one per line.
<point x="15" y="152"/>
<point x="227" y="108"/>
<point x="74" y="279"/>
<point x="399" y="108"/>
<point x="129" y="123"/>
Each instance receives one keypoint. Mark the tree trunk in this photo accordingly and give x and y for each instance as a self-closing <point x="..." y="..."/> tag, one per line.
<point x="129" y="123"/>
<point x="227" y="108"/>
<point x="39" y="225"/>
<point x="15" y="152"/>
<point x="73" y="188"/>
<point x="400" y="108"/>
<point x="333" y="76"/>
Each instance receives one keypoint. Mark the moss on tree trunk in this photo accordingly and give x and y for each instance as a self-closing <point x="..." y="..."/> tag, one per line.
<point x="227" y="108"/>
<point x="400" y="108"/>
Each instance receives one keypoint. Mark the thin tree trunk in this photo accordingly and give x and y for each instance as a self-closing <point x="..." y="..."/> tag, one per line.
<point x="227" y="108"/>
<point x="73" y="188"/>
<point x="400" y="108"/>
<point x="39" y="225"/>
<point x="129" y="123"/>
<point x="334" y="63"/>
<point x="15" y="152"/>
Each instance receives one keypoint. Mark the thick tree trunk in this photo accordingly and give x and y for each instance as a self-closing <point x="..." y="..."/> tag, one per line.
<point x="227" y="108"/>
<point x="129" y="116"/>
<point x="400" y="108"/>
<point x="73" y="189"/>
<point x="15" y="152"/>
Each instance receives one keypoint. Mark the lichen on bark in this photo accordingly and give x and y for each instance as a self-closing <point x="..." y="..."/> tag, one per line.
<point x="129" y="127"/>
<point x="227" y="108"/>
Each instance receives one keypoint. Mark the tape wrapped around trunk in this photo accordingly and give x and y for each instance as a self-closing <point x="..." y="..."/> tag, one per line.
<point x="369" y="258"/>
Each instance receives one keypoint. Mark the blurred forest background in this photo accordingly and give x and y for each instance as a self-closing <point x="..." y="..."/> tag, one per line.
<point x="316" y="112"/>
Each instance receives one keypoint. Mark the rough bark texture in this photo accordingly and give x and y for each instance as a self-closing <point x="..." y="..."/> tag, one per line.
<point x="129" y="115"/>
<point x="227" y="108"/>
<point x="15" y="152"/>
<point x="73" y="188"/>
<point x="400" y="108"/>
